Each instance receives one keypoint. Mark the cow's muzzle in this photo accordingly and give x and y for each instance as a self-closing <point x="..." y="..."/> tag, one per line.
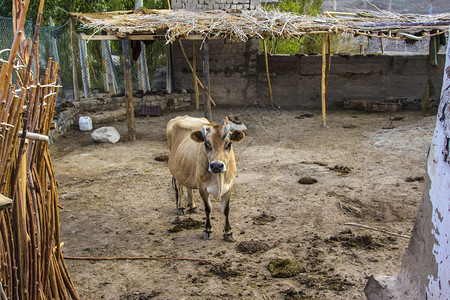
<point x="217" y="167"/>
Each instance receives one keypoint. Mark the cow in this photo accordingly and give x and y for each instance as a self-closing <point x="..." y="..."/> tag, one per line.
<point x="201" y="157"/>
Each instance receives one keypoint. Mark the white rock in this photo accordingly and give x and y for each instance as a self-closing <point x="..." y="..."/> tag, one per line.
<point x="106" y="135"/>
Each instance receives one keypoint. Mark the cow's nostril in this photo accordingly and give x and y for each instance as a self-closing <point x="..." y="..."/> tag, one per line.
<point x="216" y="167"/>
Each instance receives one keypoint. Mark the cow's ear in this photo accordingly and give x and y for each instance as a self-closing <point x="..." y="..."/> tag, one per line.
<point x="237" y="135"/>
<point x="197" y="136"/>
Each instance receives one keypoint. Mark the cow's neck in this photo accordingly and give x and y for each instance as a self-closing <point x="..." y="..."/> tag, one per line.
<point x="217" y="185"/>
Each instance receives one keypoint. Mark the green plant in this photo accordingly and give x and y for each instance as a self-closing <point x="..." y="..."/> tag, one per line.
<point x="308" y="44"/>
<point x="301" y="7"/>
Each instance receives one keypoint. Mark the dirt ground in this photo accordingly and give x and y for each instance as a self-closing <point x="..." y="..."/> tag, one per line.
<point x="292" y="241"/>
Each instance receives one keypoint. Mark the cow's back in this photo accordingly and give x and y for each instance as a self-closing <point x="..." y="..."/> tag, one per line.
<point x="183" y="150"/>
<point x="181" y="127"/>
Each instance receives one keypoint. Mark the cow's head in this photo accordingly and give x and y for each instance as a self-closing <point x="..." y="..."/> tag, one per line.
<point x="218" y="139"/>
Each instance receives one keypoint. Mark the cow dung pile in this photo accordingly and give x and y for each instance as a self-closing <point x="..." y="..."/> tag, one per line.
<point x="187" y="224"/>
<point x="307" y="180"/>
<point x="250" y="247"/>
<point x="263" y="219"/>
<point x="284" y="268"/>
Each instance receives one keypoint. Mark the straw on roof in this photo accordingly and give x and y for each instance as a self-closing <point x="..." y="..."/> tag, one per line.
<point x="241" y="25"/>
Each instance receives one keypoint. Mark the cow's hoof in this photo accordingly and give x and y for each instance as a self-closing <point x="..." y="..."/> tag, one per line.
<point x="228" y="237"/>
<point x="207" y="235"/>
<point x="180" y="211"/>
<point x="193" y="210"/>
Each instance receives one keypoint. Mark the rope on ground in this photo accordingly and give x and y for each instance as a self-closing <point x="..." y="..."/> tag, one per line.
<point x="377" y="229"/>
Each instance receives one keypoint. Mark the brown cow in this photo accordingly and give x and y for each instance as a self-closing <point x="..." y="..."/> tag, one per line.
<point x="201" y="157"/>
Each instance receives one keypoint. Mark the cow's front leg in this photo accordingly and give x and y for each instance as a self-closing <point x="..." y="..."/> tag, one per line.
<point x="227" y="233"/>
<point x="207" y="234"/>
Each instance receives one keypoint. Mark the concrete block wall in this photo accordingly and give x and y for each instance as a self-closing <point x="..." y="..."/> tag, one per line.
<point x="215" y="4"/>
<point x="296" y="79"/>
<point x="232" y="66"/>
<point x="238" y="76"/>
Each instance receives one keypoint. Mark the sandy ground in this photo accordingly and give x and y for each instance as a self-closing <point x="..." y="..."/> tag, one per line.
<point x="118" y="201"/>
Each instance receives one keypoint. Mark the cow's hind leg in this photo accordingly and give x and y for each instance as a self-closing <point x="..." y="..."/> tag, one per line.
<point x="227" y="233"/>
<point x="207" y="233"/>
<point x="178" y="196"/>
<point x="192" y="208"/>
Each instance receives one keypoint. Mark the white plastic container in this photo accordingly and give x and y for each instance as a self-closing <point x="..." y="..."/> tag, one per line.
<point x="85" y="123"/>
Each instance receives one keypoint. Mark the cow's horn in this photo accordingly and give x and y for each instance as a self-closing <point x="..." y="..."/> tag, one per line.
<point x="204" y="132"/>
<point x="226" y="130"/>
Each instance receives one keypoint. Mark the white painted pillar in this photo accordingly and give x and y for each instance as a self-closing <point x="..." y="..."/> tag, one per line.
<point x="425" y="271"/>
<point x="142" y="69"/>
<point x="84" y="66"/>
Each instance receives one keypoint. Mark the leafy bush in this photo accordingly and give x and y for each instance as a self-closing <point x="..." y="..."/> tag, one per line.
<point x="308" y="44"/>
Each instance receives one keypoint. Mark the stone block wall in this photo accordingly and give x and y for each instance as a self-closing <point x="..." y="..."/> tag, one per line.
<point x="63" y="121"/>
<point x="106" y="108"/>
<point x="215" y="4"/>
<point x="105" y="102"/>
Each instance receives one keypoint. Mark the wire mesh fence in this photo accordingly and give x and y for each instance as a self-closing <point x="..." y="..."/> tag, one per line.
<point x="99" y="63"/>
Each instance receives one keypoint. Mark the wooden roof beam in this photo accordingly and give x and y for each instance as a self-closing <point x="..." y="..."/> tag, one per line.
<point x="141" y="37"/>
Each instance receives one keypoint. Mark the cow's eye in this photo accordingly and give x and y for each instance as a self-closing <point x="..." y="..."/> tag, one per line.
<point x="228" y="146"/>
<point x="208" y="147"/>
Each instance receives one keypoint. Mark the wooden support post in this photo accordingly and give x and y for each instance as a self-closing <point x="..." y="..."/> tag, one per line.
<point x="267" y="72"/>
<point x="323" y="87"/>
<point x="328" y="63"/>
<point x="168" y="69"/>
<point x="128" y="90"/>
<point x="206" y="78"/>
<point x="194" y="71"/>
<point x="76" y="89"/>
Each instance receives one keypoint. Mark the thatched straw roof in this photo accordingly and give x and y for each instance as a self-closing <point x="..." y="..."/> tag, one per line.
<point x="241" y="25"/>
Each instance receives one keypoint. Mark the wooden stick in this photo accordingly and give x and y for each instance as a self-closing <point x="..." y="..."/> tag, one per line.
<point x="2" y="293"/>
<point x="194" y="71"/>
<point x="267" y="72"/>
<point x="377" y="229"/>
<point x="328" y="63"/>
<point x="324" y="63"/>
<point x="35" y="136"/>
<point x="135" y="258"/>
